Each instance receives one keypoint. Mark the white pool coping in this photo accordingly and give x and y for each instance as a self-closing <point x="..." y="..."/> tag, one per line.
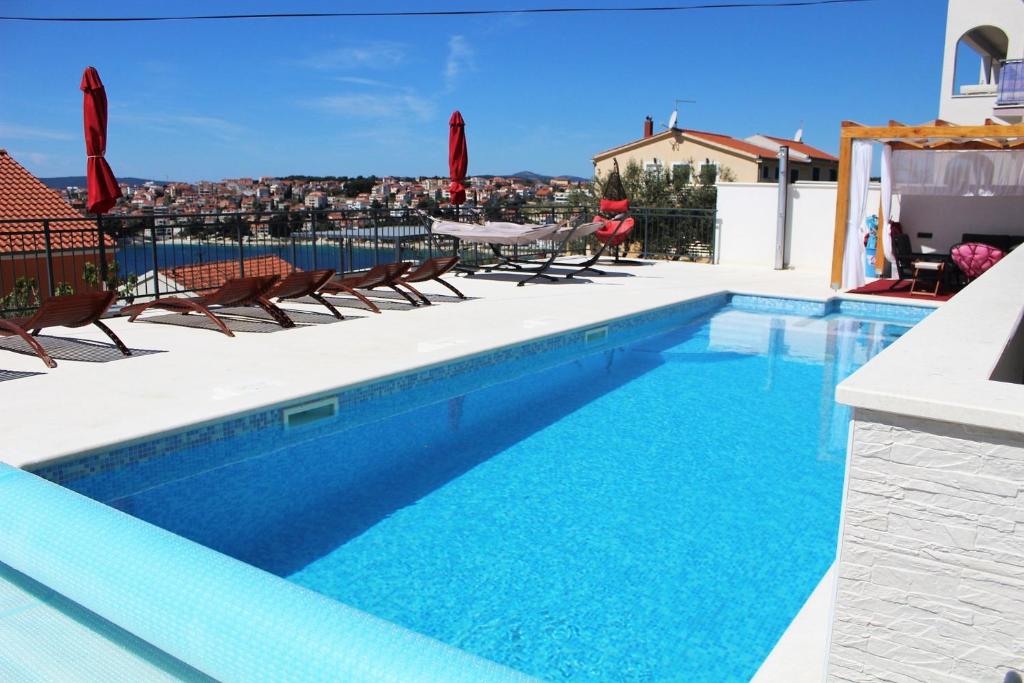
<point x="800" y="654"/>
<point x="205" y="376"/>
<point x="941" y="369"/>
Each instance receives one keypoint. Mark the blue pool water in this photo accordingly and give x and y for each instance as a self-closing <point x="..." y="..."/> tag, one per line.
<point x="650" y="511"/>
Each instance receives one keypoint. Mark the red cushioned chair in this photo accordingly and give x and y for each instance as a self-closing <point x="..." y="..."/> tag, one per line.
<point x="974" y="258"/>
<point x="616" y="230"/>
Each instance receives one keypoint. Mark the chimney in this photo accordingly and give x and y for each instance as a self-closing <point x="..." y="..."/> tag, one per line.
<point x="648" y="127"/>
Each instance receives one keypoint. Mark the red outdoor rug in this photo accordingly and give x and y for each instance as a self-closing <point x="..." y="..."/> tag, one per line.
<point x="899" y="289"/>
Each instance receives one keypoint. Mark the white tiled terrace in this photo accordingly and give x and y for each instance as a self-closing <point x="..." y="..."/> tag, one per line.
<point x="203" y="375"/>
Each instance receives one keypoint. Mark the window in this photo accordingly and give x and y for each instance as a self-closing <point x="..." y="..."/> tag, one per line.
<point x="776" y="173"/>
<point x="794" y="175"/>
<point x="832" y="174"/>
<point x="680" y="173"/>
<point x="979" y="56"/>
<point x="816" y="174"/>
<point x="708" y="173"/>
<point x="765" y="172"/>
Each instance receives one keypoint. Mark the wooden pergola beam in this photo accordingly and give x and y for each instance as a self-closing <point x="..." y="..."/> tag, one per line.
<point x="842" y="208"/>
<point x="859" y="132"/>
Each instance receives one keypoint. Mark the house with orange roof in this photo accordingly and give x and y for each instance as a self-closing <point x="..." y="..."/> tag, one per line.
<point x="693" y="152"/>
<point x="73" y="240"/>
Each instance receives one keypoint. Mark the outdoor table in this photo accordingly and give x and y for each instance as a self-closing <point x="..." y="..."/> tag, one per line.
<point x="928" y="272"/>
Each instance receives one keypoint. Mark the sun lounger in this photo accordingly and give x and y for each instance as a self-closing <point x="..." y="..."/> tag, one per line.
<point x="512" y="234"/>
<point x="431" y="269"/>
<point x="72" y="310"/>
<point x="507" y="234"/>
<point x="384" y="275"/>
<point x="305" y="283"/>
<point x="496" y="235"/>
<point x="242" y="291"/>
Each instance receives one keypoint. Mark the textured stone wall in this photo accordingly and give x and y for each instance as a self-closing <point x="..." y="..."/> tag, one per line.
<point x="930" y="581"/>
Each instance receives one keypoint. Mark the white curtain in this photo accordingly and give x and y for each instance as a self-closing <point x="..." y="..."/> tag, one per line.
<point x="853" y="253"/>
<point x="958" y="173"/>
<point x="890" y="206"/>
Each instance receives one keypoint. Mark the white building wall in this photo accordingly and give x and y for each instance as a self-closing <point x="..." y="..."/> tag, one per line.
<point x="931" y="568"/>
<point x="962" y="16"/>
<point x="747" y="224"/>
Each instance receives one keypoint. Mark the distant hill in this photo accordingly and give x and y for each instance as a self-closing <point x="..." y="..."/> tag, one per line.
<point x="60" y="182"/>
<point x="541" y="178"/>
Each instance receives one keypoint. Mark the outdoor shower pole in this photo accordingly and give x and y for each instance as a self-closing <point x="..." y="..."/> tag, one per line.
<point x="783" y="209"/>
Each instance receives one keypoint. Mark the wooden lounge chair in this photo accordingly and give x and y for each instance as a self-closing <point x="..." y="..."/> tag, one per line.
<point x="242" y="291"/>
<point x="303" y="283"/>
<point x="72" y="310"/>
<point x="383" y="275"/>
<point x="431" y="269"/>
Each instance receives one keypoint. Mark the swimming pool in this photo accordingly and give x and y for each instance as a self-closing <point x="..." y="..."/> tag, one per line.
<point x="648" y="500"/>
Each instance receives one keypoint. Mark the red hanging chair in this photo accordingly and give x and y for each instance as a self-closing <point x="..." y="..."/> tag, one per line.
<point x="614" y="204"/>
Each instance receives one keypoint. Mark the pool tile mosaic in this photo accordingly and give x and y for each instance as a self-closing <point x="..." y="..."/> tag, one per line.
<point x="144" y="463"/>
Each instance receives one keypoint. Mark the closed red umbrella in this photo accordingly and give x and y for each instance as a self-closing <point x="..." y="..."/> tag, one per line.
<point x="458" y="158"/>
<point x="103" y="189"/>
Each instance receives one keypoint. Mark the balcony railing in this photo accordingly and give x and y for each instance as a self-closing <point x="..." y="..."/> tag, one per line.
<point x="1011" y="84"/>
<point x="42" y="257"/>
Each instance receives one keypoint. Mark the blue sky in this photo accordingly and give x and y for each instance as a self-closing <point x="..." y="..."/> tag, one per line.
<point x="192" y="100"/>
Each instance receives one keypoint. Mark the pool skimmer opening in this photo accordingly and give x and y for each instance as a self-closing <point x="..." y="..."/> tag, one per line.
<point x="308" y="413"/>
<point x="595" y="335"/>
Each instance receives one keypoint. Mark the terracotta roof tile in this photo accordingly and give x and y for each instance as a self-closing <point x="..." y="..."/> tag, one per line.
<point x="22" y="195"/>
<point x="204" y="277"/>
<point x="731" y="142"/>
<point x="707" y="136"/>
<point x="803" y="148"/>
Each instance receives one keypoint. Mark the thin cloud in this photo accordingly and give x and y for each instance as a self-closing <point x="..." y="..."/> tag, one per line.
<point x="14" y="131"/>
<point x="362" y="105"/>
<point x="355" y="80"/>
<point x="461" y="60"/>
<point x="380" y="55"/>
<point x="41" y="163"/>
<point x="183" y="123"/>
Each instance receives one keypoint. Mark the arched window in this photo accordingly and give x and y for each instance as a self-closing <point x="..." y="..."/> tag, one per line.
<point x="979" y="56"/>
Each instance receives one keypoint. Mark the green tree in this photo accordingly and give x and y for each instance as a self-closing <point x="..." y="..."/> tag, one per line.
<point x="125" y="287"/>
<point x="21" y="300"/>
<point x="195" y="228"/>
<point x="234" y="227"/>
<point x="279" y="226"/>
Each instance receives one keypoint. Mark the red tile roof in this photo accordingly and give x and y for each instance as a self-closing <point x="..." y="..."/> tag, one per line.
<point x="812" y="152"/>
<point x="22" y="195"/>
<point x="714" y="138"/>
<point x="731" y="142"/>
<point x="209" y="276"/>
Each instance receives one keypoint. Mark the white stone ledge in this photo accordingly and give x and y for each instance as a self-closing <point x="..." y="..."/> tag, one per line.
<point x="942" y="369"/>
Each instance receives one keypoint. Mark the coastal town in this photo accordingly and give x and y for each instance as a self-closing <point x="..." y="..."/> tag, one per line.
<point x="167" y="203"/>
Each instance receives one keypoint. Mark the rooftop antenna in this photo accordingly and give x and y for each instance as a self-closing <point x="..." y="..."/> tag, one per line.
<point x="674" y="119"/>
<point x="799" y="135"/>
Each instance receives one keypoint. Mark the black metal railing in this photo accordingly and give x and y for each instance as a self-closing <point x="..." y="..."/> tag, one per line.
<point x="156" y="255"/>
<point x="1011" y="83"/>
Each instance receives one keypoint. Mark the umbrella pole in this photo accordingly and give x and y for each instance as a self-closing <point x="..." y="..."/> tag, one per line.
<point x="102" y="251"/>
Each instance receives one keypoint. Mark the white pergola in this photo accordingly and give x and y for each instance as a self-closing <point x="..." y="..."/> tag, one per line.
<point x="936" y="136"/>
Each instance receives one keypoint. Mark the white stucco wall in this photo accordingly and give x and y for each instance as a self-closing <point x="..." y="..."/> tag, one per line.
<point x="961" y="17"/>
<point x="930" y="568"/>
<point x="747" y="221"/>
<point x="931" y="571"/>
